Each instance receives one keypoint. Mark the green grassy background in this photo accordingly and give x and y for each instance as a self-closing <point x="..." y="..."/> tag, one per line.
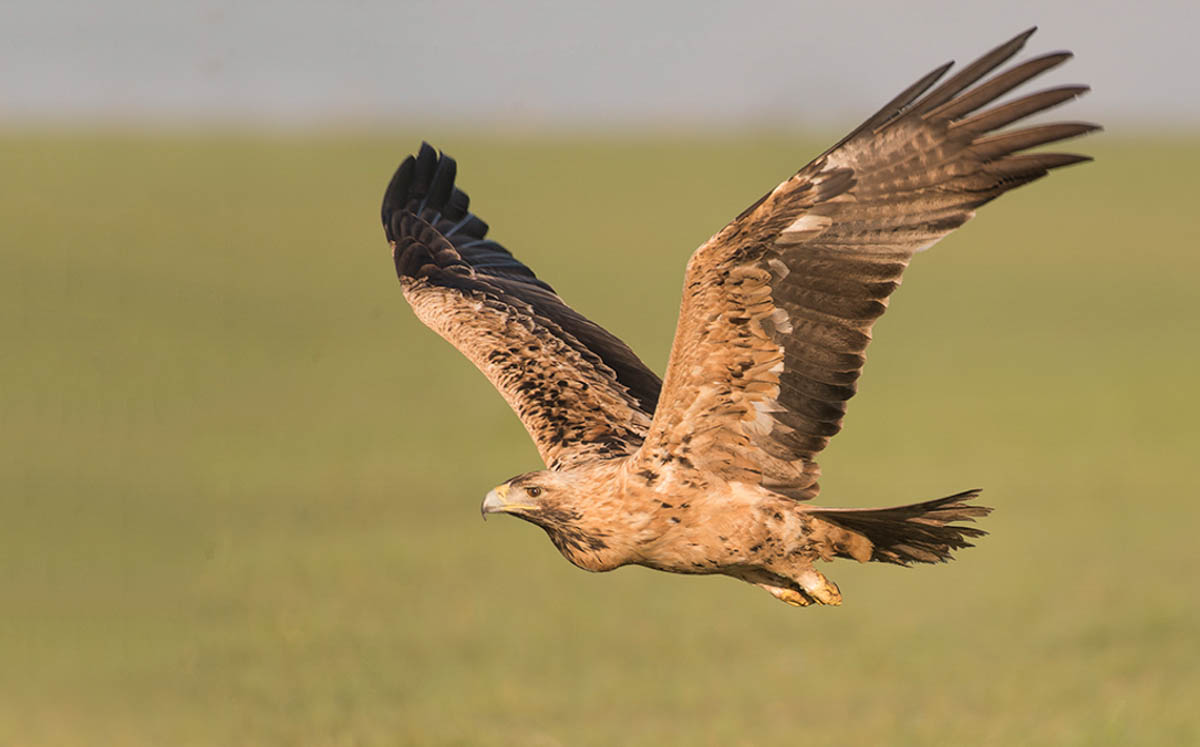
<point x="239" y="482"/>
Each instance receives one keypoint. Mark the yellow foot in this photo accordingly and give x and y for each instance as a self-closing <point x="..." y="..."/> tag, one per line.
<point x="809" y="587"/>
<point x="820" y="588"/>
<point x="790" y="596"/>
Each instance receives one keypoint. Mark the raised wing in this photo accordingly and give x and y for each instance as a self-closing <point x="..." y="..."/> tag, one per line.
<point x="778" y="307"/>
<point x="581" y="393"/>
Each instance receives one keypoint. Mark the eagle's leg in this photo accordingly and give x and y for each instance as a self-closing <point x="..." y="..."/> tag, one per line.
<point x="794" y="597"/>
<point x="808" y="587"/>
<point x="818" y="587"/>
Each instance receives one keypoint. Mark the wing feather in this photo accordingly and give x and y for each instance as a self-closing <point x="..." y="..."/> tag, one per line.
<point x="778" y="306"/>
<point x="580" y="392"/>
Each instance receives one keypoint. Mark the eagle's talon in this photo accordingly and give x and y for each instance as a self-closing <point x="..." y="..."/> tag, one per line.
<point x="820" y="588"/>
<point x="793" y="597"/>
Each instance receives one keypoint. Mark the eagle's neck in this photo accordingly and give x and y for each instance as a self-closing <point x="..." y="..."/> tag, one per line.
<point x="600" y="528"/>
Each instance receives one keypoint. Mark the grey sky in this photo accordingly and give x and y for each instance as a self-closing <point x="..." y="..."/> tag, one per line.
<point x="548" y="64"/>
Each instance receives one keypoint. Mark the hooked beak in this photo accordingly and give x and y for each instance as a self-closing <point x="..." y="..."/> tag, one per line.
<point x="494" y="501"/>
<point x="497" y="502"/>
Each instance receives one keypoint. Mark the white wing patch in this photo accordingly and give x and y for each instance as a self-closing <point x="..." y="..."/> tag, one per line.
<point x="804" y="228"/>
<point x="778" y="268"/>
<point x="783" y="323"/>
<point x="809" y="223"/>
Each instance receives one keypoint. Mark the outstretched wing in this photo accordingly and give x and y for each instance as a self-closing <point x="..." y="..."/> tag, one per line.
<point x="581" y="393"/>
<point x="778" y="307"/>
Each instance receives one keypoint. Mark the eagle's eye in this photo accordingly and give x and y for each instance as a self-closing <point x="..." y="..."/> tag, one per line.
<point x="533" y="491"/>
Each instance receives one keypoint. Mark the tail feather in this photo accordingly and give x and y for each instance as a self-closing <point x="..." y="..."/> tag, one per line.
<point x="916" y="533"/>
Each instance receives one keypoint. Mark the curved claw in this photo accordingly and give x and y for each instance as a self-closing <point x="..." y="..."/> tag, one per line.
<point x="820" y="588"/>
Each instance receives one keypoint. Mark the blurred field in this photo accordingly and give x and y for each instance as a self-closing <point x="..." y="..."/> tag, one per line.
<point x="239" y="482"/>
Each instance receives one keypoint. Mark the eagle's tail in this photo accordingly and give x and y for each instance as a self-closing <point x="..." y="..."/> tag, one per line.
<point x="916" y="533"/>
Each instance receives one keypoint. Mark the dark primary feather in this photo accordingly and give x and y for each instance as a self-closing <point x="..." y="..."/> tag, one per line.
<point x="580" y="391"/>
<point x="779" y="305"/>
<point x="423" y="186"/>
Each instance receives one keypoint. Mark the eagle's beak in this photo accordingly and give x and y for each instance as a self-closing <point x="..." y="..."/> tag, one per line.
<point x="497" y="502"/>
<point x="494" y="501"/>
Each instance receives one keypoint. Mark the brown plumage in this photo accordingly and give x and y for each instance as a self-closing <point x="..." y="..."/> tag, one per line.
<point x="705" y="472"/>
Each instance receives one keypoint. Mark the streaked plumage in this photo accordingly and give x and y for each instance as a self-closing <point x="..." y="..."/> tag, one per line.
<point x="705" y="472"/>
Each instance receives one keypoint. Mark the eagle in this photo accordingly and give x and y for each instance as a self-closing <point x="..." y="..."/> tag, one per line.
<point x="708" y="470"/>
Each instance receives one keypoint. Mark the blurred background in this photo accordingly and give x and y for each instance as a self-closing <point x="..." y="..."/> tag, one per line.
<point x="239" y="482"/>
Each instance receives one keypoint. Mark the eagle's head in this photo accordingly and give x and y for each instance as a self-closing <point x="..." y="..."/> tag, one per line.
<point x="552" y="500"/>
<point x="543" y="497"/>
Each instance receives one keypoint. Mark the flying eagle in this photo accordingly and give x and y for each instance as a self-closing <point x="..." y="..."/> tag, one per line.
<point x="707" y="472"/>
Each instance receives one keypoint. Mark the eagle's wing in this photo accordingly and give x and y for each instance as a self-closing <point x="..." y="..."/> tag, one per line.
<point x="581" y="393"/>
<point x="778" y="307"/>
